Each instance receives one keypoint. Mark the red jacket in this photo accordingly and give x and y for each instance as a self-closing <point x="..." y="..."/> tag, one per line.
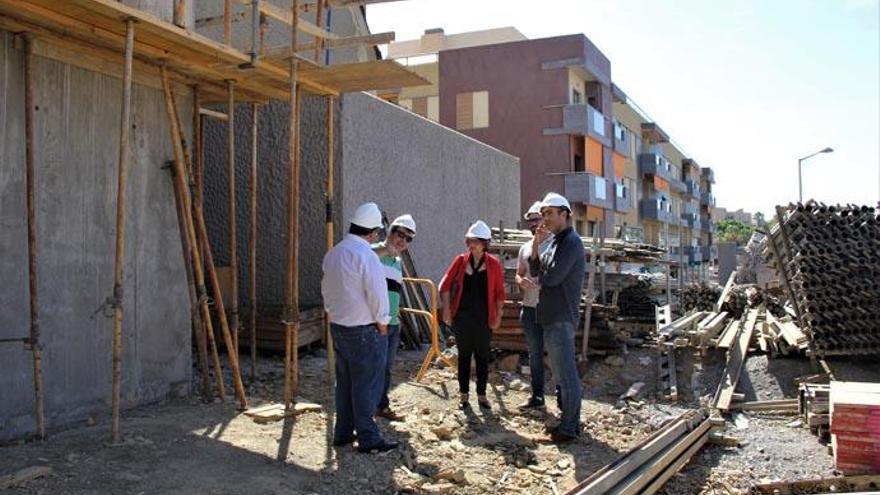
<point x="453" y="280"/>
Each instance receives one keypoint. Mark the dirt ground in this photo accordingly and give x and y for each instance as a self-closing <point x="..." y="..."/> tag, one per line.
<point x="187" y="446"/>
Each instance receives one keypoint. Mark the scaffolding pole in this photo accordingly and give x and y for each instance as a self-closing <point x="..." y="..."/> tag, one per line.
<point x="34" y="341"/>
<point x="119" y="263"/>
<point x="291" y="286"/>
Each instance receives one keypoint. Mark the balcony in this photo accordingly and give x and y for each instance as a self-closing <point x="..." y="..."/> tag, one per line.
<point x="657" y="165"/>
<point x="590" y="189"/>
<point x="707" y="198"/>
<point x="622" y="198"/>
<point x="582" y="119"/>
<point x="691" y="220"/>
<point x="656" y="210"/>
<point x="622" y="139"/>
<point x="707" y="226"/>
<point x="693" y="188"/>
<point x="708" y="174"/>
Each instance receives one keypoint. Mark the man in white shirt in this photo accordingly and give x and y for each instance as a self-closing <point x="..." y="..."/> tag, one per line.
<point x="531" y="328"/>
<point x="356" y="299"/>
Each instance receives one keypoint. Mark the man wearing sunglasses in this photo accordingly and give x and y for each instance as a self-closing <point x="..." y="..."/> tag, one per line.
<point x="403" y="232"/>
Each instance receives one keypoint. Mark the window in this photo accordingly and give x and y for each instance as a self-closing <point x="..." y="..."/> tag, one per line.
<point x="472" y="110"/>
<point x="576" y="97"/>
<point x="601" y="188"/>
<point x="598" y="122"/>
<point x="434" y="108"/>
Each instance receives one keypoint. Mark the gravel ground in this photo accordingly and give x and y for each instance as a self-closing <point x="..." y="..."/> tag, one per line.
<point x="188" y="446"/>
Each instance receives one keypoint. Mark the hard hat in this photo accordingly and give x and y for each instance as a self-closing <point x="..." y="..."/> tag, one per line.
<point x="405" y="221"/>
<point x="535" y="209"/>
<point x="479" y="230"/>
<point x="556" y="200"/>
<point x="367" y="216"/>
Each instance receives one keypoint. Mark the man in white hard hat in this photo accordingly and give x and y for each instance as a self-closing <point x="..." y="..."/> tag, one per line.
<point x="356" y="299"/>
<point x="533" y="331"/>
<point x="560" y="270"/>
<point x="402" y="233"/>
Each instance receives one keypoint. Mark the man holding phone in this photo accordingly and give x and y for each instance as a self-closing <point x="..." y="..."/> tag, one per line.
<point x="560" y="270"/>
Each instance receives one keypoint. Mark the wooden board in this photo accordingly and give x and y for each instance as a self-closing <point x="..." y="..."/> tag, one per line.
<point x="268" y="413"/>
<point x="736" y="357"/>
<point x="101" y="23"/>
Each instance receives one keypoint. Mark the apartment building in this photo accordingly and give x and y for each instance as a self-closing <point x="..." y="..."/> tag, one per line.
<point x="552" y="103"/>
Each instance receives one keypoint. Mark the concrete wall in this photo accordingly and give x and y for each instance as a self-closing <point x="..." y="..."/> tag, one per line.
<point x="408" y="164"/>
<point x="272" y="180"/>
<point x="385" y="154"/>
<point x="77" y="125"/>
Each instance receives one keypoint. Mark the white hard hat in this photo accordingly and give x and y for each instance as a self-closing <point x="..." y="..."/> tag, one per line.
<point x="479" y="230"/>
<point x="534" y="209"/>
<point x="556" y="200"/>
<point x="405" y="221"/>
<point x="367" y="216"/>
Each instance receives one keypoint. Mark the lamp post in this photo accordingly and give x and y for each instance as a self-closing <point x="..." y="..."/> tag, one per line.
<point x="800" y="181"/>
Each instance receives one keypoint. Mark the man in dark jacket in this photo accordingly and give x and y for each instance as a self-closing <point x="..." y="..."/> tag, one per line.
<point x="560" y="270"/>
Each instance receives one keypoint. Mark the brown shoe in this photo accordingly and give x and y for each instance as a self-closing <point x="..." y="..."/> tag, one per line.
<point x="390" y="415"/>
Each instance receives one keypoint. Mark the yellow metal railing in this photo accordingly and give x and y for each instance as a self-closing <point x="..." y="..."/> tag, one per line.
<point x="433" y="320"/>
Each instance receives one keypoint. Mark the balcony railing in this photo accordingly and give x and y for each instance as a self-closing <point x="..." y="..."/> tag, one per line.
<point x="707" y="198"/>
<point x="692" y="220"/>
<point x="693" y="188"/>
<point x="622" y="198"/>
<point x="581" y="119"/>
<point x="590" y="189"/>
<point x="622" y="139"/>
<point x="657" y="210"/>
<point x="709" y="174"/>
<point x="656" y="164"/>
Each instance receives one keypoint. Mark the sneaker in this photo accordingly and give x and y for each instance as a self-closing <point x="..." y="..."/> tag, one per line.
<point x="390" y="415"/>
<point x="531" y="404"/>
<point x="379" y="448"/>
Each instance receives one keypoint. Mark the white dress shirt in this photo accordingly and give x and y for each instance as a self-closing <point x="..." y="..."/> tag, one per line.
<point x="354" y="288"/>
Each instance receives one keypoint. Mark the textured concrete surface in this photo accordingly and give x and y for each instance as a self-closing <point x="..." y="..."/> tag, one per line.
<point x="408" y="164"/>
<point x="272" y="180"/>
<point x="77" y="128"/>
<point x="385" y="154"/>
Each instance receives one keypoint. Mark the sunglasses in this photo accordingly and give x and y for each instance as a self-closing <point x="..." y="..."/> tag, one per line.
<point x="406" y="237"/>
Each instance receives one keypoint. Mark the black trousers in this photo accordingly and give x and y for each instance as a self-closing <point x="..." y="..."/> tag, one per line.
<point x="472" y="336"/>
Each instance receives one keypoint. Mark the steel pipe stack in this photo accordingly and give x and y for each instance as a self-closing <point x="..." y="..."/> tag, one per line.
<point x="829" y="260"/>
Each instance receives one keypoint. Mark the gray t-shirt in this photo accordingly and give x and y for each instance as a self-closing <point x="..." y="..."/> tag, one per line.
<point x="530" y="296"/>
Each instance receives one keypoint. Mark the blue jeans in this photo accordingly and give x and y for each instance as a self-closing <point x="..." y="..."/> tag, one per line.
<point x="360" y="360"/>
<point x="393" y="345"/>
<point x="559" y="341"/>
<point x="535" y="341"/>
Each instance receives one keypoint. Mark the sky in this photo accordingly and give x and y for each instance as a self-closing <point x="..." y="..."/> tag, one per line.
<point x="745" y="87"/>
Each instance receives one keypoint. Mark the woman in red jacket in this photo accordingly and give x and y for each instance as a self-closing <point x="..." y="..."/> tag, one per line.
<point x="473" y="297"/>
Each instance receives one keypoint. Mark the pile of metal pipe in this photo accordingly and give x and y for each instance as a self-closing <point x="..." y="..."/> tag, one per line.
<point x="829" y="260"/>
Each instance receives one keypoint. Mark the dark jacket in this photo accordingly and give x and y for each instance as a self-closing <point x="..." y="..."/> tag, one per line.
<point x="560" y="270"/>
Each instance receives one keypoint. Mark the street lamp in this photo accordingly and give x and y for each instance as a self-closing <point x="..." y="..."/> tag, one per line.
<point x="800" y="161"/>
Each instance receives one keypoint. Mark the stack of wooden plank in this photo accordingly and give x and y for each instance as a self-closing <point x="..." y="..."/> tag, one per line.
<point x="813" y="407"/>
<point x="855" y="426"/>
<point x="602" y="334"/>
<point x="270" y="329"/>
<point x="782" y="336"/>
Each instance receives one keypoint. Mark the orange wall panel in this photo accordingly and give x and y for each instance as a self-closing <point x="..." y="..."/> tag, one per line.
<point x="660" y="184"/>
<point x="619" y="165"/>
<point x="594" y="156"/>
<point x="595" y="214"/>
